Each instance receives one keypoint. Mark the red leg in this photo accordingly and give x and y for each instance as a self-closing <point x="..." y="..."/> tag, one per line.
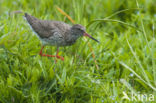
<point x="45" y="54"/>
<point x="59" y="57"/>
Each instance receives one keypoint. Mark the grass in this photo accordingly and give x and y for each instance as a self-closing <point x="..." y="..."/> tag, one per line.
<point x="126" y="55"/>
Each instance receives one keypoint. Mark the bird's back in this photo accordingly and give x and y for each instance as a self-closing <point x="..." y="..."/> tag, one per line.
<point x="46" y="28"/>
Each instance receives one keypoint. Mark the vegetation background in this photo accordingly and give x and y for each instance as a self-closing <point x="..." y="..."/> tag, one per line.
<point x="125" y="60"/>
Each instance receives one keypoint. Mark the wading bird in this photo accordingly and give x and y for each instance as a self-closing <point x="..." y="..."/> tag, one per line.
<point x="56" y="33"/>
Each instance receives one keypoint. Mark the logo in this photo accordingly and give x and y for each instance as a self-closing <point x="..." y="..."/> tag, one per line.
<point x="138" y="97"/>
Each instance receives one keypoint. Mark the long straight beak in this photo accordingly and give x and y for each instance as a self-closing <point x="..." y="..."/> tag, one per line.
<point x="85" y="34"/>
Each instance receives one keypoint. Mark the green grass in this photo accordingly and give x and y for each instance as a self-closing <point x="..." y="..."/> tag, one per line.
<point x="126" y="55"/>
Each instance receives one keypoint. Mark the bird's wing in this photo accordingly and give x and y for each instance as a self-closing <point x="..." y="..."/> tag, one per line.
<point x="45" y="28"/>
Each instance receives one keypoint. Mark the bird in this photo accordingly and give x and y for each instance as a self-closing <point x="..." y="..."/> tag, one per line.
<point x="56" y="33"/>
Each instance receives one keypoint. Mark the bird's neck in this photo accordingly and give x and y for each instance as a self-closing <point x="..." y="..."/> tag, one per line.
<point x="71" y="36"/>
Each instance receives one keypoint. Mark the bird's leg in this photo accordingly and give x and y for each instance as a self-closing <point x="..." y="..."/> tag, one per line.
<point x="45" y="54"/>
<point x="59" y="57"/>
<point x="41" y="51"/>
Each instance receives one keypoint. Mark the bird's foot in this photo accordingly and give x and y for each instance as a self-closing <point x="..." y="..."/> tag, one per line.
<point x="58" y="57"/>
<point x="47" y="55"/>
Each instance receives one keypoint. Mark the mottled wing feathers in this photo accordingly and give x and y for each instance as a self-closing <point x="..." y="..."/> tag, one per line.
<point x="45" y="28"/>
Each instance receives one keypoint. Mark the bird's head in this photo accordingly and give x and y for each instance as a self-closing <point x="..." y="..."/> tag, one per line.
<point x="78" y="30"/>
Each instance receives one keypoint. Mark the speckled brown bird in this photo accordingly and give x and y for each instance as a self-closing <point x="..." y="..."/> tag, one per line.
<point x="56" y="33"/>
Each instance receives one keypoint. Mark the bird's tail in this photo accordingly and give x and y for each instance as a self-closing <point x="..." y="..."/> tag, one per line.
<point x="30" y="18"/>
